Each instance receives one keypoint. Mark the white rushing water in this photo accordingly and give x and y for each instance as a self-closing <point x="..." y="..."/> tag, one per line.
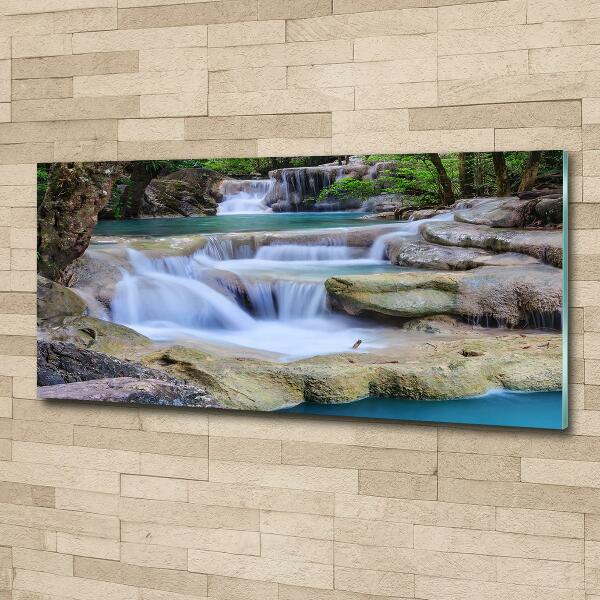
<point x="244" y="196"/>
<point x="271" y="299"/>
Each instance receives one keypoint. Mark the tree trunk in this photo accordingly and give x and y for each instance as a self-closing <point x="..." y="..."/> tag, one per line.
<point x="501" y="171"/>
<point x="465" y="175"/>
<point x="444" y="180"/>
<point x="67" y="215"/>
<point x="531" y="171"/>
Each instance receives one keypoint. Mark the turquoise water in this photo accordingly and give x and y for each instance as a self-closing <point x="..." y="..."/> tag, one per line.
<point x="233" y="223"/>
<point x="500" y="407"/>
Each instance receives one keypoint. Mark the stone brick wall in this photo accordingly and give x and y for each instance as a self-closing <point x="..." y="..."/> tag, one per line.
<point x="102" y="503"/>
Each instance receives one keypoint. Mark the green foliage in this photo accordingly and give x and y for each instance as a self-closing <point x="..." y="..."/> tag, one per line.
<point x="42" y="180"/>
<point x="116" y="207"/>
<point x="347" y="189"/>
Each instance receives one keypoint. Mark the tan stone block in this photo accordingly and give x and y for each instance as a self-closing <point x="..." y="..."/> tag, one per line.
<point x="584" y="216"/>
<point x="5" y="113"/>
<point x="399" y="95"/>
<point x="173" y="105"/>
<point x="197" y="538"/>
<point x="566" y="59"/>
<point x="483" y="66"/>
<point x="185" y="13"/>
<point x="48" y="562"/>
<point x="368" y="121"/>
<point x="98" y="63"/>
<point x="296" y="147"/>
<point x="182" y="467"/>
<point x="281" y="547"/>
<point x="263" y="126"/>
<point x="82" y="500"/>
<point x="151" y="555"/>
<point x="318" y="527"/>
<point x="23" y="281"/>
<point x="21" y="153"/>
<point x="20" y="493"/>
<point x="357" y="457"/>
<point x="142" y="441"/>
<point x="134" y="84"/>
<point x="590" y="189"/>
<point x="292" y="9"/>
<point x="80" y="545"/>
<point x="134" y="576"/>
<point x="154" y="488"/>
<point x="591" y="110"/>
<point x="245" y="450"/>
<point x="16" y="303"/>
<point x="286" y="476"/>
<point x="539" y="522"/>
<point x="5" y="450"/>
<point x="438" y="588"/>
<point x="374" y="533"/>
<point x="539" y="138"/>
<point x="140" y="39"/>
<point x="94" y="19"/>
<point x="398" y="485"/>
<point x="67" y="109"/>
<point x="247" y="33"/>
<point x="274" y="55"/>
<point x="484" y="14"/>
<point x="17" y="174"/>
<point x="17" y="7"/>
<point x="378" y="583"/>
<point x="539" y="11"/>
<point x="560" y="472"/>
<point x="82" y="151"/>
<point x="5" y="408"/>
<point x="16" y="366"/>
<point x="257" y="497"/>
<point x="56" y="131"/>
<point x="184" y="421"/>
<point x="19" y="345"/>
<point x="150" y="129"/>
<point x="25" y="25"/>
<point x="22" y="217"/>
<point x="163" y="59"/>
<point x="22" y="259"/>
<point x="189" y="515"/>
<point x="372" y="24"/>
<point x="23" y="537"/>
<point x="230" y="588"/>
<point x="550" y="573"/>
<point x="24" y="387"/>
<point x="415" y="561"/>
<point x="248" y="80"/>
<point x="262" y="569"/>
<point x="590" y="137"/>
<point x="481" y="467"/>
<point x="382" y="435"/>
<point x="17" y="195"/>
<point x="41" y="45"/>
<point x="186" y="149"/>
<point x="16" y="324"/>
<point x="282" y="101"/>
<point x="58" y="585"/>
<point x="495" y="543"/>
<point x="406" y="46"/>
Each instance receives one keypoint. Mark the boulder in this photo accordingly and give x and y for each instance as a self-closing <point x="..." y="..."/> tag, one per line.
<point x="426" y="213"/>
<point x="187" y="192"/>
<point x="508" y="295"/>
<point x="544" y="245"/>
<point x="56" y="301"/>
<point x="384" y="203"/>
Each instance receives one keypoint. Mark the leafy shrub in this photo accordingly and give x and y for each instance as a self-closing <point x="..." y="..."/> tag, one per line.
<point x="347" y="189"/>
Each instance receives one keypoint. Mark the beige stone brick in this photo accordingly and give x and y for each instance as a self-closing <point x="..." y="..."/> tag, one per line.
<point x="248" y="80"/>
<point x="378" y="583"/>
<point x="247" y="33"/>
<point x="23" y="537"/>
<point x="368" y="121"/>
<point x="25" y="25"/>
<point x="257" y="497"/>
<point x="182" y="467"/>
<point x="25" y="89"/>
<point x="245" y="450"/>
<point x="17" y="174"/>
<point x="537" y="138"/>
<point x="591" y="110"/>
<point x="187" y="149"/>
<point x="154" y="488"/>
<point x="539" y="11"/>
<point x="21" y="153"/>
<point x="151" y="555"/>
<point x="407" y="46"/>
<point x="5" y="113"/>
<point x="184" y="13"/>
<point x="54" y="131"/>
<point x="483" y="66"/>
<point x="397" y="485"/>
<point x="371" y="24"/>
<point x="263" y="126"/>
<point x="564" y="60"/>
<point x="400" y="95"/>
<point x="232" y="588"/>
<point x="357" y="457"/>
<point x="173" y="105"/>
<point x="82" y="500"/>
<point x="17" y="195"/>
<point x="481" y="467"/>
<point x="197" y="538"/>
<point x="539" y="522"/>
<point x="286" y="476"/>
<point x="136" y="130"/>
<point x="18" y="7"/>
<point x="139" y="39"/>
<point x="70" y="65"/>
<point x="296" y="146"/>
<point x="561" y="472"/>
<point x="67" y="109"/>
<point x="48" y="562"/>
<point x="274" y="55"/>
<point x="262" y="569"/>
<point x="135" y="84"/>
<point x="6" y="408"/>
<point x="488" y="14"/>
<point x="318" y="527"/>
<point x="549" y="573"/>
<point x="281" y="547"/>
<point x="41" y="45"/>
<point x="292" y="9"/>
<point x="94" y="547"/>
<point x="163" y="59"/>
<point x="12" y="324"/>
<point x="373" y="533"/>
<point x="94" y="19"/>
<point x="85" y="150"/>
<point x="132" y="576"/>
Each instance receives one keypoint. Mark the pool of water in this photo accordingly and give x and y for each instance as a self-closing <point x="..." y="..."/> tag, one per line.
<point x="233" y="223"/>
<point x="499" y="407"/>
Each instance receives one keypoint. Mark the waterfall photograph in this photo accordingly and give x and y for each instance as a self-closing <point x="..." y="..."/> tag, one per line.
<point x="407" y="287"/>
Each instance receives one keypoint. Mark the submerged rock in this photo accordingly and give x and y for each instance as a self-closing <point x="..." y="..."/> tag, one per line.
<point x="508" y="295"/>
<point x="544" y="245"/>
<point x="55" y="300"/>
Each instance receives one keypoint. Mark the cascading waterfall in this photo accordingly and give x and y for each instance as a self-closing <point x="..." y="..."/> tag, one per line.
<point x="244" y="196"/>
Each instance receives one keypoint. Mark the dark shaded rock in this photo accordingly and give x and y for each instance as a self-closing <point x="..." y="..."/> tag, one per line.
<point x="66" y="363"/>
<point x="55" y="300"/>
<point x="187" y="192"/>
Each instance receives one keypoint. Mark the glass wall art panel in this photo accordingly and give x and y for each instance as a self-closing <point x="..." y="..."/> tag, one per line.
<point x="405" y="287"/>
